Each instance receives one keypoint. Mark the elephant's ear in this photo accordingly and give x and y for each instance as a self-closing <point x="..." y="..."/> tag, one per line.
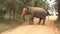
<point x="28" y="9"/>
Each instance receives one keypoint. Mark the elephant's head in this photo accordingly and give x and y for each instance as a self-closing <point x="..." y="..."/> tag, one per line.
<point x="24" y="12"/>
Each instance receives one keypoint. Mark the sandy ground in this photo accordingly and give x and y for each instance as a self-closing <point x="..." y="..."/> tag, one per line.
<point x="48" y="28"/>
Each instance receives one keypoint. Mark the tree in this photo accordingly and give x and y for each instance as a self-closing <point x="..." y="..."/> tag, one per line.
<point x="3" y="9"/>
<point x="42" y="4"/>
<point x="14" y="7"/>
<point x="58" y="9"/>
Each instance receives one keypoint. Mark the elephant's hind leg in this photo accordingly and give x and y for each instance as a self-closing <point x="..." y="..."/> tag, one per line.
<point x="39" y="20"/>
<point x="44" y="21"/>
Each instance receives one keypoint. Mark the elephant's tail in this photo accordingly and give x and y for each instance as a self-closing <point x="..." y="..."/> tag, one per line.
<point x="48" y="17"/>
<point x="48" y="14"/>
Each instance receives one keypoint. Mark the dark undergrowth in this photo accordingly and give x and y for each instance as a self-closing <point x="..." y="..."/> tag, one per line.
<point x="7" y="24"/>
<point x="57" y="22"/>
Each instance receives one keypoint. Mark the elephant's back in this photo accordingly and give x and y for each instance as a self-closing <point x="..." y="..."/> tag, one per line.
<point x="38" y="9"/>
<point x="38" y="12"/>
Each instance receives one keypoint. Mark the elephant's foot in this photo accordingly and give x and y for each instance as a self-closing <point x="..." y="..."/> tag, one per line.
<point x="24" y="20"/>
<point x="38" y="23"/>
<point x="43" y="24"/>
<point x="31" y="23"/>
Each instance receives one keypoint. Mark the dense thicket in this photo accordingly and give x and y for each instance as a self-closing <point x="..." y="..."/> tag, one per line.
<point x="10" y="9"/>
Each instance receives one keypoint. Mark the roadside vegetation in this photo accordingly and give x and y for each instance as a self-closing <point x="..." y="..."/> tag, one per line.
<point x="10" y="11"/>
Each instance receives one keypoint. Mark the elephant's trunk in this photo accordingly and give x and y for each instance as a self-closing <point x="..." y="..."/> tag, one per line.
<point x="24" y="11"/>
<point x="23" y="16"/>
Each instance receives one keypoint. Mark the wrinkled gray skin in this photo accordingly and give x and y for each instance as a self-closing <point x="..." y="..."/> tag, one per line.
<point x="36" y="12"/>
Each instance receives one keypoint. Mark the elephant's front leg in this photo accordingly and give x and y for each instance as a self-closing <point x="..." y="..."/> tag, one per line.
<point x="24" y="18"/>
<point x="31" y="20"/>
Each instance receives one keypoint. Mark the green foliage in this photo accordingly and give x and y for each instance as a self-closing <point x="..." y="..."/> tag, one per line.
<point x="41" y="3"/>
<point x="56" y="6"/>
<point x="57" y="22"/>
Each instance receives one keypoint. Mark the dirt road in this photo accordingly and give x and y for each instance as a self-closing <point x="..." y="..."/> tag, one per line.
<point x="49" y="28"/>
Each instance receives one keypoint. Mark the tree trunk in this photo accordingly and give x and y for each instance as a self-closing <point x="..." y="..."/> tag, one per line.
<point x="58" y="10"/>
<point x="10" y="14"/>
<point x="14" y="8"/>
<point x="58" y="15"/>
<point x="13" y="13"/>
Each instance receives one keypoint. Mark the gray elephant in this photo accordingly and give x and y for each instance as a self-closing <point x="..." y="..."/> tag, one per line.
<point x="35" y="12"/>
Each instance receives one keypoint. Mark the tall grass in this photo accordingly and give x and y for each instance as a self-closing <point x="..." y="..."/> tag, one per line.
<point x="6" y="24"/>
<point x="57" y="22"/>
<point x="3" y="27"/>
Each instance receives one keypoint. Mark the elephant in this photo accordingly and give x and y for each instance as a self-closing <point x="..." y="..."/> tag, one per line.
<point x="35" y="12"/>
